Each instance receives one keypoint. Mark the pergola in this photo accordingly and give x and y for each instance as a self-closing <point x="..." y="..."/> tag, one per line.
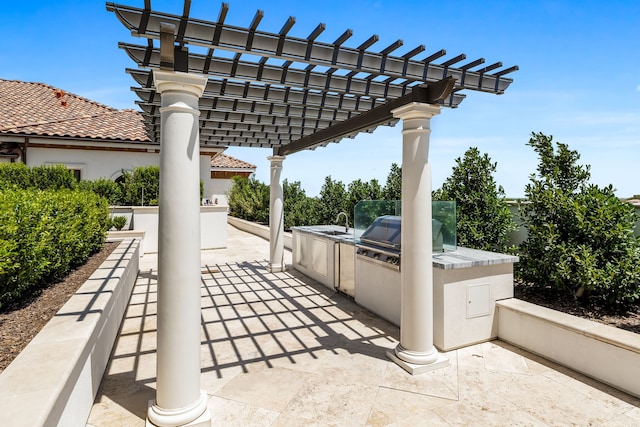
<point x="209" y="83"/>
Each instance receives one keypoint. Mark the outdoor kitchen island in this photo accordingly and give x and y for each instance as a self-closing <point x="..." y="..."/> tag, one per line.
<point x="326" y="253"/>
<point x="466" y="283"/>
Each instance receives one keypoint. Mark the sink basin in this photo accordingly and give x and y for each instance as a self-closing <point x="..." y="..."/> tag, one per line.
<point x="334" y="232"/>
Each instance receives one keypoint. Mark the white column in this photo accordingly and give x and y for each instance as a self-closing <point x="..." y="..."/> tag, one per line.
<point x="179" y="400"/>
<point x="276" y="216"/>
<point x="416" y="352"/>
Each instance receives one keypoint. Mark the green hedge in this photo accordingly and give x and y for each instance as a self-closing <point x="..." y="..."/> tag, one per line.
<point x="110" y="190"/>
<point x="45" y="234"/>
<point x="141" y="187"/>
<point x="19" y="175"/>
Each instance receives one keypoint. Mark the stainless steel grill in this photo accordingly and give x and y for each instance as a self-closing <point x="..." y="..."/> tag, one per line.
<point x="380" y="242"/>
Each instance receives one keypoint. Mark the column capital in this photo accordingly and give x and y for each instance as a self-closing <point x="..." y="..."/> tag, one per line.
<point x="276" y="159"/>
<point x="416" y="110"/>
<point x="166" y="81"/>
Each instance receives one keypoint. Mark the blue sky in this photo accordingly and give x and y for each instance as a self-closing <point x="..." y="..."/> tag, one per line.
<point x="579" y="77"/>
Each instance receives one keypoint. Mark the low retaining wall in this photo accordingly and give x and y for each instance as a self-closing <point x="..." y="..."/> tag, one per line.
<point x="258" y="230"/>
<point x="114" y="235"/>
<point x="54" y="380"/>
<point x="608" y="354"/>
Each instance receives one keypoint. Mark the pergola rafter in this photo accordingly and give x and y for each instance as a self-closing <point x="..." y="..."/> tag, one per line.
<point x="233" y="90"/>
<point x="274" y="90"/>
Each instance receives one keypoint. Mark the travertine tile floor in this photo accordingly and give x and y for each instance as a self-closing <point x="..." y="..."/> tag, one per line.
<point x="282" y="350"/>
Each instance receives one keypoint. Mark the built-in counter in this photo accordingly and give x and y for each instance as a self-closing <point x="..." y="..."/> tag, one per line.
<point x="325" y="253"/>
<point x="466" y="283"/>
<point x="213" y="226"/>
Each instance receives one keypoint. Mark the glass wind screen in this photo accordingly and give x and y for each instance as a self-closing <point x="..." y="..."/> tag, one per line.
<point x="443" y="220"/>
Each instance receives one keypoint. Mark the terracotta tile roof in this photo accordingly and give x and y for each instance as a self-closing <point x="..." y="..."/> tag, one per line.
<point x="43" y="110"/>
<point x="223" y="161"/>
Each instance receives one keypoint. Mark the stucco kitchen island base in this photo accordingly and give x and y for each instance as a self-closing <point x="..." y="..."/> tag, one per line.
<point x="466" y="285"/>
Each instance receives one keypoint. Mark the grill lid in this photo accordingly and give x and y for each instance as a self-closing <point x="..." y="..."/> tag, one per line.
<point x="384" y="231"/>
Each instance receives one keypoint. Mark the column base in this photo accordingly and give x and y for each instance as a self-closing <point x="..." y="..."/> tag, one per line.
<point x="197" y="415"/>
<point x="276" y="268"/>
<point x="441" y="361"/>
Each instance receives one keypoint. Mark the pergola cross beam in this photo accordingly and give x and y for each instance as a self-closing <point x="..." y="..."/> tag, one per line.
<point x="427" y="94"/>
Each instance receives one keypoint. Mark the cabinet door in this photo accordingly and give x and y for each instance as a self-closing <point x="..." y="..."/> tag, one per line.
<point x="346" y="270"/>
<point x="319" y="256"/>
<point x="301" y="251"/>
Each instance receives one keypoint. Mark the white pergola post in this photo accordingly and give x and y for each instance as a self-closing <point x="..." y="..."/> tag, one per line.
<point x="179" y="400"/>
<point x="276" y="216"/>
<point x="415" y="352"/>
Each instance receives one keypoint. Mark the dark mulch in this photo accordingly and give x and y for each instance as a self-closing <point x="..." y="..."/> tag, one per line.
<point x="589" y="309"/>
<point x="22" y="321"/>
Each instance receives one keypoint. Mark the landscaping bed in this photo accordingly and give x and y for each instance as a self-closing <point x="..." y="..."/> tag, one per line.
<point x="19" y="323"/>
<point x="628" y="320"/>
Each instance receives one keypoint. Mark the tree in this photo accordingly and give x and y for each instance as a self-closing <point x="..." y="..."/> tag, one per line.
<point x="393" y="187"/>
<point x="580" y="237"/>
<point x="359" y="190"/>
<point x="299" y="209"/>
<point x="249" y="199"/>
<point x="483" y="217"/>
<point x="332" y="201"/>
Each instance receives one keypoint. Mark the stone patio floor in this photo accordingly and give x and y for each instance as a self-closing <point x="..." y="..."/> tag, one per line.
<point x="282" y="350"/>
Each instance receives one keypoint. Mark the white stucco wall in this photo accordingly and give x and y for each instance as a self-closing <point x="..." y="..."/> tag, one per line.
<point x="106" y="164"/>
<point x="205" y="176"/>
<point x="93" y="163"/>
<point x="219" y="189"/>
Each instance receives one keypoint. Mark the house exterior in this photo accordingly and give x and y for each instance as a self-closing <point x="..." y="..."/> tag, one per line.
<point x="223" y="169"/>
<point x="44" y="125"/>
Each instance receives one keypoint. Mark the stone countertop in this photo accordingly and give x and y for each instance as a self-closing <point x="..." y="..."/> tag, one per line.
<point x="465" y="258"/>
<point x="325" y="231"/>
<point x="460" y="258"/>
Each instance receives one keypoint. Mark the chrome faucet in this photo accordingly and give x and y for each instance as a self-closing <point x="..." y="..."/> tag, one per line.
<point x="346" y="221"/>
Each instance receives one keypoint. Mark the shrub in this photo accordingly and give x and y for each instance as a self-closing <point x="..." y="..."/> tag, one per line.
<point x="15" y="175"/>
<point x="482" y="215"/>
<point x="44" y="234"/>
<point x="118" y="222"/>
<point x="110" y="190"/>
<point x="43" y="177"/>
<point x="580" y="237"/>
<point x="141" y="187"/>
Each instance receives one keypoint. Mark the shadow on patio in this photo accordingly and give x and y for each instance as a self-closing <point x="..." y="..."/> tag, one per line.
<point x="279" y="349"/>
